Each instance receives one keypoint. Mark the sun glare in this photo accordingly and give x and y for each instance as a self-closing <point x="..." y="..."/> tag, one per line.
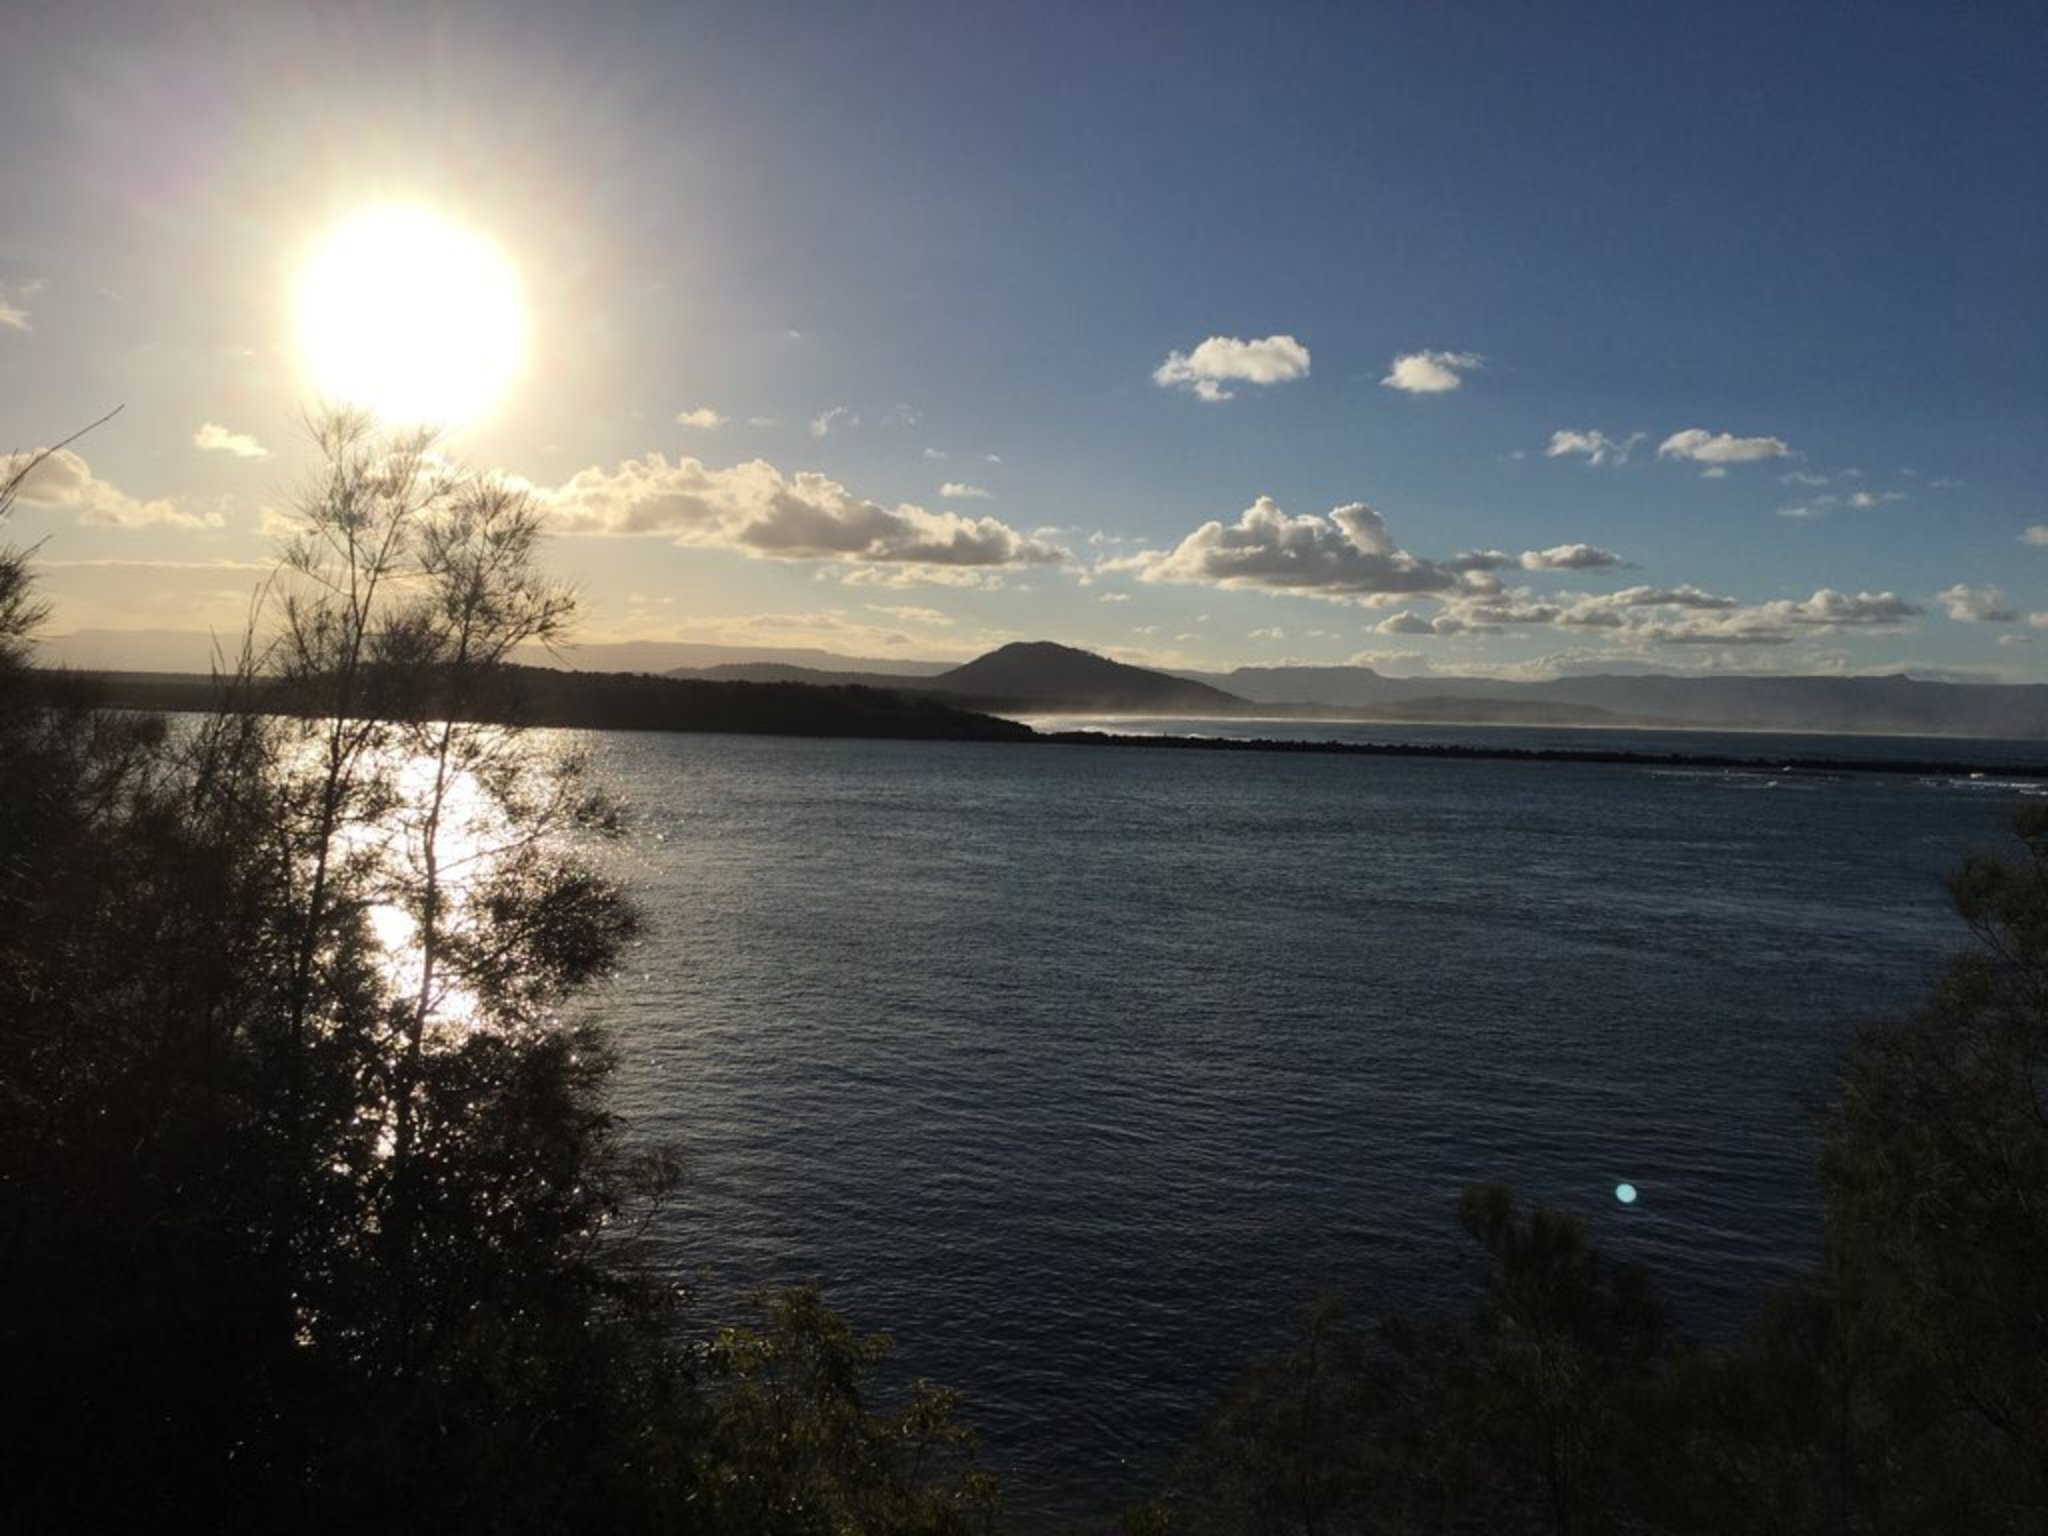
<point x="412" y="317"/>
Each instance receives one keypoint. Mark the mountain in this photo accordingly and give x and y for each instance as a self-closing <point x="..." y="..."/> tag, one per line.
<point x="783" y="672"/>
<point x="691" y="658"/>
<point x="1038" y="674"/>
<point x="1892" y="705"/>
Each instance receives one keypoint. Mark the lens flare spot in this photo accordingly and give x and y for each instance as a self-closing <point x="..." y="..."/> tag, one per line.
<point x="1625" y="1193"/>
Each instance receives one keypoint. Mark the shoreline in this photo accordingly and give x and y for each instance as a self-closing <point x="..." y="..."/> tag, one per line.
<point x="629" y="702"/>
<point x="1813" y="767"/>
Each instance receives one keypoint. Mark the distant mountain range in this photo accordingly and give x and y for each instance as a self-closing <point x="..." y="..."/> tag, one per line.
<point x="1893" y="705"/>
<point x="1042" y="678"/>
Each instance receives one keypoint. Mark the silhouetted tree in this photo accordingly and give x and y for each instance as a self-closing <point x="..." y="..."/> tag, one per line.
<point x="315" y="1213"/>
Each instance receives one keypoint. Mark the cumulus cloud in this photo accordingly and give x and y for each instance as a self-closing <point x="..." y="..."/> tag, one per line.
<point x="1681" y="615"/>
<point x="986" y="578"/>
<point x="1480" y="560"/>
<point x="64" y="480"/>
<point x="1391" y="663"/>
<point x="1214" y="365"/>
<point x="2035" y="533"/>
<point x="1704" y="447"/>
<point x="215" y="438"/>
<point x="960" y="490"/>
<point x="1407" y="622"/>
<point x="1569" y="557"/>
<point x="1860" y="501"/>
<point x="703" y="418"/>
<point x="1594" y="447"/>
<point x="1430" y="373"/>
<point x="757" y="510"/>
<point x="838" y="415"/>
<point x="1976" y="605"/>
<point x="1347" y="555"/>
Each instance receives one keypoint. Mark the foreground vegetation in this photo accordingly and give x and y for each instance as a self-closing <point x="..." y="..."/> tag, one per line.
<point x="315" y="1218"/>
<point x="314" y="1214"/>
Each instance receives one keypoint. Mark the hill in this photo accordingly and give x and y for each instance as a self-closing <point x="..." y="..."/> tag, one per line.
<point x="1037" y="674"/>
<point x="622" y="701"/>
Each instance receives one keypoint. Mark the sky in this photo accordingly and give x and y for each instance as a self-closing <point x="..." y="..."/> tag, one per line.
<point x="1458" y="339"/>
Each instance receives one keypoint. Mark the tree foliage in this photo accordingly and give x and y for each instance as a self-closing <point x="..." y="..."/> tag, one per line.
<point x="315" y="1212"/>
<point x="1901" y="1386"/>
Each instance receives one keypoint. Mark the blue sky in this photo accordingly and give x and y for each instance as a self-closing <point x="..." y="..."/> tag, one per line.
<point x="1786" y="262"/>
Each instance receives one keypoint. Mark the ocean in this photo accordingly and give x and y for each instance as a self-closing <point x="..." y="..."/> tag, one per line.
<point x="1080" y="1070"/>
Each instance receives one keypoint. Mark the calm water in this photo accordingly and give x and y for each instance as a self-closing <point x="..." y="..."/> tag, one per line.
<point x="1078" y="1070"/>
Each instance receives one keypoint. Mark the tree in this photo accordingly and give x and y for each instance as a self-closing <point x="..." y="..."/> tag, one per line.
<point x="316" y="1214"/>
<point x="1934" y="1166"/>
<point x="1517" y="1418"/>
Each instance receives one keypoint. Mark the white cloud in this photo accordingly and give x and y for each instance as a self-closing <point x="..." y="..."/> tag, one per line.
<point x="826" y="420"/>
<point x="64" y="480"/>
<point x="959" y="490"/>
<point x="1407" y="622"/>
<point x="2035" y="533"/>
<point x="703" y="418"/>
<point x="1559" y="557"/>
<point x="1430" y="373"/>
<point x="931" y="618"/>
<point x="985" y="578"/>
<point x="1802" y="477"/>
<point x="1976" y="605"/>
<point x="1274" y="633"/>
<point x="1224" y="360"/>
<point x="1715" y="472"/>
<point x="757" y="510"/>
<point x="13" y="316"/>
<point x="1704" y="447"/>
<point x="1682" y="615"/>
<point x="933" y="454"/>
<point x="1569" y="557"/>
<point x="1346" y="555"/>
<point x="760" y="421"/>
<point x="215" y="438"/>
<point x="1860" y="501"/>
<point x="1391" y="663"/>
<point x="1480" y="560"/>
<point x="1594" y="447"/>
<point x="1114" y="597"/>
<point x="1825" y="609"/>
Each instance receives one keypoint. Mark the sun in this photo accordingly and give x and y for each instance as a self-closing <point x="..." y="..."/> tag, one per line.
<point x="411" y="316"/>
